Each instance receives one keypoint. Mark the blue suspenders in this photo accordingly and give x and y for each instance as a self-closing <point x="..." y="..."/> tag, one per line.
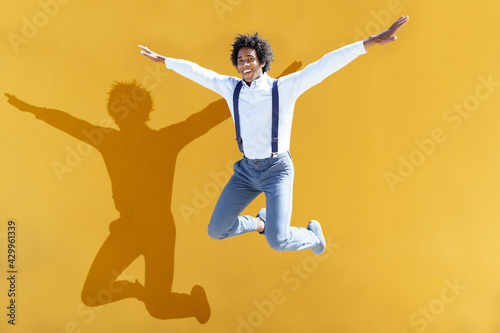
<point x="236" y="96"/>
<point x="275" y="120"/>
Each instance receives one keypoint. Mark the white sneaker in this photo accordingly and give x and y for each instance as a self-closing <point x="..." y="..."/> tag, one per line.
<point x="315" y="227"/>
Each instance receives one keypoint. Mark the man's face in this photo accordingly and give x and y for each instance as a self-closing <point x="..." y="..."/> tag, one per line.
<point x="248" y="64"/>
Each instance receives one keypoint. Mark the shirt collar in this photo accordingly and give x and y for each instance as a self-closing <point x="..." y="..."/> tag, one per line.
<point x="263" y="78"/>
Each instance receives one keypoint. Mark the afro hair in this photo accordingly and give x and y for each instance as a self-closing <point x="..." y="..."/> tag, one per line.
<point x="262" y="48"/>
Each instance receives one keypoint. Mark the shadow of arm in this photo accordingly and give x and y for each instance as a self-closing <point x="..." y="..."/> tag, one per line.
<point x="293" y="67"/>
<point x="201" y="122"/>
<point x="63" y="121"/>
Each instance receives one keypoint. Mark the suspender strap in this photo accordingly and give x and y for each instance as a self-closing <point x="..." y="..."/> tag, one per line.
<point x="275" y="121"/>
<point x="236" y="96"/>
<point x="275" y="117"/>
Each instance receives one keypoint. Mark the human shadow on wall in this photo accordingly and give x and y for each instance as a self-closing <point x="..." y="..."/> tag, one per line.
<point x="141" y="166"/>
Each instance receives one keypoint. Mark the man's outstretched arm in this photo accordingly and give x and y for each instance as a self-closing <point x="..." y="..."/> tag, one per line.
<point x="296" y="84"/>
<point x="221" y="84"/>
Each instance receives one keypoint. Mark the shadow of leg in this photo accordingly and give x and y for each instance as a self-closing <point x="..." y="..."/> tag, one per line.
<point x="175" y="305"/>
<point x="159" y="299"/>
<point x="101" y="286"/>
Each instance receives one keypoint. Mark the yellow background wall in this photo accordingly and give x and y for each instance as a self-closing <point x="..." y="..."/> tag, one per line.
<point x="396" y="155"/>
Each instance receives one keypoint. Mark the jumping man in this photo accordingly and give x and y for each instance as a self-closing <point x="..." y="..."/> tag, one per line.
<point x="262" y="109"/>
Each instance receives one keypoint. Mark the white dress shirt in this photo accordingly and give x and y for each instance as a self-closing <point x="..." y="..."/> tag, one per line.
<point x="255" y="102"/>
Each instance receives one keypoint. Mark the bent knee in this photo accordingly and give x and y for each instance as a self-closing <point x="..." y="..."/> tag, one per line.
<point x="277" y="243"/>
<point x="214" y="232"/>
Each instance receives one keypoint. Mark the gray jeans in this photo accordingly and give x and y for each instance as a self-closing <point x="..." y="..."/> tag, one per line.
<point x="274" y="177"/>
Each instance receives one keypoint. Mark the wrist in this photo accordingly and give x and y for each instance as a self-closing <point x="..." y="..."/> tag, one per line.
<point x="369" y="42"/>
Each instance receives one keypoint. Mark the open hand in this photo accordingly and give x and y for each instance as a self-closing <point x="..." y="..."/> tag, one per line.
<point x="387" y="36"/>
<point x="151" y="55"/>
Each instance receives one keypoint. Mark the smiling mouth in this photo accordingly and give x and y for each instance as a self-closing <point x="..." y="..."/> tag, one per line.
<point x="248" y="71"/>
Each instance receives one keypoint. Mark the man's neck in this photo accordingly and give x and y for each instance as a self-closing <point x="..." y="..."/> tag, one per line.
<point x="256" y="79"/>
